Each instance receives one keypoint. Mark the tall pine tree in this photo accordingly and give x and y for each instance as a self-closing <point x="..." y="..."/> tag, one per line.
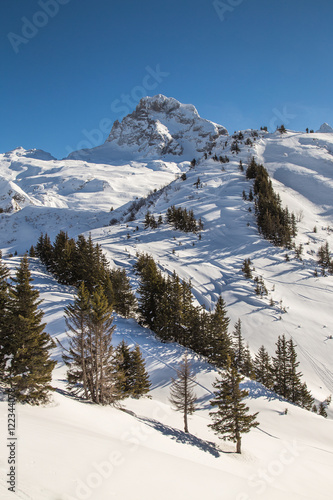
<point x="29" y="371"/>
<point x="231" y="419"/>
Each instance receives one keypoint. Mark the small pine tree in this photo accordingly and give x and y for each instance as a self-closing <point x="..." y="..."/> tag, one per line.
<point x="218" y="340"/>
<point x="139" y="378"/>
<point x="231" y="419"/>
<point x="246" y="268"/>
<point x="322" y="410"/>
<point x="182" y="395"/>
<point x="263" y="368"/>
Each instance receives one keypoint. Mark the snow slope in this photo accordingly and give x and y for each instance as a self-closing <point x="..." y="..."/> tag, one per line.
<point x="75" y="450"/>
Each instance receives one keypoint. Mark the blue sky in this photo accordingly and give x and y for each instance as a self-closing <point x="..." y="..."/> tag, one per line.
<point x="72" y="67"/>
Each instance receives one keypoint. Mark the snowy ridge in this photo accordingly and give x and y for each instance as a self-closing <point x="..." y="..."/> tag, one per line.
<point x="73" y="450"/>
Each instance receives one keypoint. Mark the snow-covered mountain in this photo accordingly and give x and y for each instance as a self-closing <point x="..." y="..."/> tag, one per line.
<point x="74" y="450"/>
<point x="159" y="126"/>
<point x="325" y="129"/>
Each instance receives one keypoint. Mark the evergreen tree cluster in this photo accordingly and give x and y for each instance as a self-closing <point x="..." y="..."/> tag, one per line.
<point x="166" y="306"/>
<point x="75" y="262"/>
<point x="25" y="364"/>
<point x="221" y="159"/>
<point x="235" y="147"/>
<point x="274" y="222"/>
<point x="151" y="222"/>
<point x="324" y="258"/>
<point x="280" y="373"/>
<point x="183" y="219"/>
<point x="97" y="371"/>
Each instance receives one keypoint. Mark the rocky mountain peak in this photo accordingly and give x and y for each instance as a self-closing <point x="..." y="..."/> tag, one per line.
<point x="162" y="125"/>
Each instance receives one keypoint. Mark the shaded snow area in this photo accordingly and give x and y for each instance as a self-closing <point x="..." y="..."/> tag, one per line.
<point x="72" y="449"/>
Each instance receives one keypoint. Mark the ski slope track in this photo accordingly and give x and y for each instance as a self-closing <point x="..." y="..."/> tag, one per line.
<point x="71" y="449"/>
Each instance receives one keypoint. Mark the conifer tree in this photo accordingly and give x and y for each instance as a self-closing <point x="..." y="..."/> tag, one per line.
<point x="322" y="410"/>
<point x="247" y="268"/>
<point x="242" y="356"/>
<point x="231" y="419"/>
<point x="182" y="395"/>
<point x="90" y="358"/>
<point x="4" y="320"/>
<point x="124" y="301"/>
<point x="29" y="371"/>
<point x="124" y="365"/>
<point x="140" y="383"/>
<point x="103" y="366"/>
<point x="78" y="357"/>
<point x="218" y="339"/>
<point x="263" y="368"/>
<point x="280" y="365"/>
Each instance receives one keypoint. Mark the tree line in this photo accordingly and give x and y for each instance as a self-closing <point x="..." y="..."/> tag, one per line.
<point x="81" y="261"/>
<point x="96" y="370"/>
<point x="275" y="223"/>
<point x="166" y="305"/>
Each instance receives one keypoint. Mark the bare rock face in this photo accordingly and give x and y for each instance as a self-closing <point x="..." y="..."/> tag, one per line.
<point x="161" y="125"/>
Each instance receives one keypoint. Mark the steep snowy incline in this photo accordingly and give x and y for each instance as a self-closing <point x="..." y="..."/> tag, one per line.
<point x="73" y="450"/>
<point x="298" y="303"/>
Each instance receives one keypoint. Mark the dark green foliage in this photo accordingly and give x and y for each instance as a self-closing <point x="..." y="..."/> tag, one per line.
<point x="231" y="419"/>
<point x="241" y="354"/>
<point x="4" y="316"/>
<point x="32" y="252"/>
<point x="140" y="383"/>
<point x="235" y="147"/>
<point x="282" y="129"/>
<point x="246" y="268"/>
<point x="150" y="221"/>
<point x="274" y="222"/>
<point x="90" y="357"/>
<point x="183" y="219"/>
<point x="324" y="258"/>
<point x="260" y="288"/>
<point x="193" y="163"/>
<point x="197" y="184"/>
<point x="75" y="262"/>
<point x="182" y="395"/>
<point x="322" y="410"/>
<point x="287" y="378"/>
<point x="124" y="301"/>
<point x="29" y="371"/>
<point x="78" y="357"/>
<point x="263" y="369"/>
<point x="218" y="342"/>
<point x="133" y="379"/>
<point x="166" y="306"/>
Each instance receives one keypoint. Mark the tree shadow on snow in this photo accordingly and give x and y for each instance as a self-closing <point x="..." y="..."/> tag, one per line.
<point x="182" y="437"/>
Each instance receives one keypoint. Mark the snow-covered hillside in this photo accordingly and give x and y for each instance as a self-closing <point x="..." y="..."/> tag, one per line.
<point x="74" y="450"/>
